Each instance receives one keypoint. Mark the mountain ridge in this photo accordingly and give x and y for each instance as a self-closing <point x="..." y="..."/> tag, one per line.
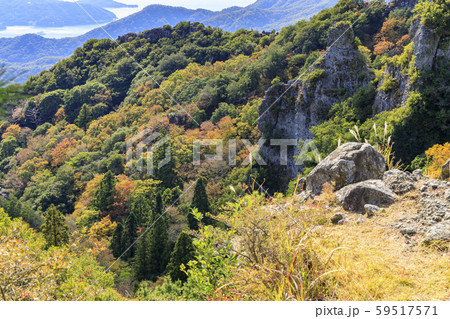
<point x="255" y="16"/>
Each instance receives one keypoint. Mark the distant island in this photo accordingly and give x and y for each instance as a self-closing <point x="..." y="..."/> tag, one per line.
<point x="108" y="4"/>
<point x="51" y="13"/>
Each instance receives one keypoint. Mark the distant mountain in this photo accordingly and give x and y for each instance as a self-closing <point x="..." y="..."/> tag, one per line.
<point x="262" y="15"/>
<point x="108" y="4"/>
<point x="50" y="13"/>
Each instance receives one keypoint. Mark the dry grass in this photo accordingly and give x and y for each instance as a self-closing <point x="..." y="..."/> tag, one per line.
<point x="377" y="264"/>
<point x="289" y="250"/>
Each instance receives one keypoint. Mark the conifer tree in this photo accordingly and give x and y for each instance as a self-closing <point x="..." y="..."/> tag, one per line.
<point x="200" y="202"/>
<point x="158" y="242"/>
<point x="117" y="243"/>
<point x="153" y="252"/>
<point x="200" y="199"/>
<point x="55" y="231"/>
<point x="104" y="197"/>
<point x="129" y="236"/>
<point x="141" y="208"/>
<point x="183" y="252"/>
<point x="141" y="261"/>
<point x="84" y="117"/>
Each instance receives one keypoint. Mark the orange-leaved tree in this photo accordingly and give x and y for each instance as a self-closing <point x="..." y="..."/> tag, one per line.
<point x="437" y="155"/>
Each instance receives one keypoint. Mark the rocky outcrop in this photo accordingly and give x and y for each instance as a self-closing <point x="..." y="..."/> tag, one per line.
<point x="445" y="172"/>
<point x="395" y="4"/>
<point x="428" y="52"/>
<point x="434" y="202"/>
<point x="374" y="192"/>
<point x="349" y="163"/>
<point x="306" y="102"/>
<point x="5" y="194"/>
<point x="399" y="182"/>
<point x="438" y="233"/>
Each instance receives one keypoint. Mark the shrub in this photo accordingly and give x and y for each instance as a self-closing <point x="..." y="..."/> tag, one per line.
<point x="435" y="14"/>
<point x="315" y="76"/>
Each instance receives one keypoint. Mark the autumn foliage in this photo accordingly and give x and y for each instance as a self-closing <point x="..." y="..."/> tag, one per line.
<point x="437" y="156"/>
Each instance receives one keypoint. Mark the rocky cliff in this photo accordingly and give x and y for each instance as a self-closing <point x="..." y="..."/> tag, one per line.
<point x="426" y="53"/>
<point x="340" y="72"/>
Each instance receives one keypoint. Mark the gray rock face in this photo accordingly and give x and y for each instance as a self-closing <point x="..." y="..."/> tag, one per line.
<point x="399" y="182"/>
<point x="306" y="102"/>
<point x="426" y="44"/>
<point x="396" y="97"/>
<point x="439" y="232"/>
<point x="349" y="163"/>
<point x="445" y="173"/>
<point x="354" y="197"/>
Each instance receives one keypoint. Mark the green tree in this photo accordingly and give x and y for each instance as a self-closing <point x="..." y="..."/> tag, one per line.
<point x="200" y="202"/>
<point x="8" y="147"/>
<point x="141" y="261"/>
<point x="141" y="208"/>
<point x="129" y="236"/>
<point x="104" y="197"/>
<point x="84" y="117"/>
<point x="55" y="231"/>
<point x="182" y="254"/>
<point x="200" y="199"/>
<point x="117" y="241"/>
<point x="115" y="164"/>
<point x="49" y="103"/>
<point x="153" y="248"/>
<point x="435" y="14"/>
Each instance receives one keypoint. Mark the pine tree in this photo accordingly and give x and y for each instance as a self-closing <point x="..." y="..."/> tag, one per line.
<point x="183" y="252"/>
<point x="158" y="242"/>
<point x="84" y="117"/>
<point x="104" y="197"/>
<point x="199" y="201"/>
<point x="153" y="248"/>
<point x="117" y="243"/>
<point x="55" y="231"/>
<point x="129" y="236"/>
<point x="141" y="261"/>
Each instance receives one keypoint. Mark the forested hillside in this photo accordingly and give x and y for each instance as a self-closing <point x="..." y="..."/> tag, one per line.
<point x="74" y="198"/>
<point x="19" y="51"/>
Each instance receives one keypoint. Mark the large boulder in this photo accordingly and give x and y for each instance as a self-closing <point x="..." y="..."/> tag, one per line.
<point x="399" y="182"/>
<point x="348" y="164"/>
<point x="445" y="173"/>
<point x="438" y="233"/>
<point x="374" y="192"/>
